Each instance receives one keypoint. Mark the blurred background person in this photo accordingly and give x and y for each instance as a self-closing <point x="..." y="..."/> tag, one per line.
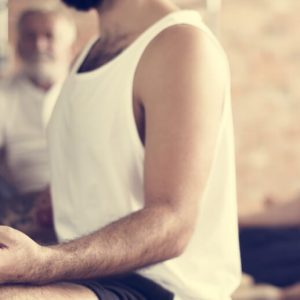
<point x="45" y="46"/>
<point x="270" y="243"/>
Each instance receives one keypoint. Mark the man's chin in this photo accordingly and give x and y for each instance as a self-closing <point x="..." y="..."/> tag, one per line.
<point x="44" y="73"/>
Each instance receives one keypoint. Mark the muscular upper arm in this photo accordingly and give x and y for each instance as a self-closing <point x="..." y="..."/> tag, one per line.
<point x="180" y="82"/>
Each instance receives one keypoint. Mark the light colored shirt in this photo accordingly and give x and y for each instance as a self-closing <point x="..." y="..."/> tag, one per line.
<point x="24" y="113"/>
<point x="97" y="162"/>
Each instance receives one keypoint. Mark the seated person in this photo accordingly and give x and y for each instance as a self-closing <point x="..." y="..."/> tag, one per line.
<point x="44" y="46"/>
<point x="136" y="219"/>
<point x="270" y="244"/>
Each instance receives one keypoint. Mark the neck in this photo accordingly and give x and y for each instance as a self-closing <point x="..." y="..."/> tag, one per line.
<point x="130" y="17"/>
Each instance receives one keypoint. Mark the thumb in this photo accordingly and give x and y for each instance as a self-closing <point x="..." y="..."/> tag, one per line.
<point x="7" y="236"/>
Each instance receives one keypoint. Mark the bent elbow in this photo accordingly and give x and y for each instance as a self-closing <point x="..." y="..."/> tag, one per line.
<point x="181" y="245"/>
<point x="182" y="238"/>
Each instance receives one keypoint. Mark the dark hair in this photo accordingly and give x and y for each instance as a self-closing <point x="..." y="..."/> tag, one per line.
<point x="83" y="4"/>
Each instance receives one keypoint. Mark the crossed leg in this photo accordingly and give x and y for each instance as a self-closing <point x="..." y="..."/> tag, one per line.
<point x="59" y="291"/>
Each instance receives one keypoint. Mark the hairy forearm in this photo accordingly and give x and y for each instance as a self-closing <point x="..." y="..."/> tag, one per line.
<point x="140" y="239"/>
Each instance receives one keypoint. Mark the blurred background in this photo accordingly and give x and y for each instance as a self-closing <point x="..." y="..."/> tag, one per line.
<point x="263" y="44"/>
<point x="262" y="41"/>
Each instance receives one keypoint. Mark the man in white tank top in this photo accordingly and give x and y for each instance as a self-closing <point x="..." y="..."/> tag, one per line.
<point x="142" y="160"/>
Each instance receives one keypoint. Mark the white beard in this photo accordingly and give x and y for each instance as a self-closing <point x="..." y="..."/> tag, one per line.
<point x="45" y="72"/>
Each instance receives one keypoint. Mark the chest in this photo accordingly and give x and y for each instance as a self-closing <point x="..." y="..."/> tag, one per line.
<point x="91" y="114"/>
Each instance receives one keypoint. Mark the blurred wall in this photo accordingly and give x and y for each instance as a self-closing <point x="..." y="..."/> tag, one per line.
<point x="263" y="43"/>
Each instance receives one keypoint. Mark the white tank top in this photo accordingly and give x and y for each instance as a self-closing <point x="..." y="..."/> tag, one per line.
<point x="97" y="171"/>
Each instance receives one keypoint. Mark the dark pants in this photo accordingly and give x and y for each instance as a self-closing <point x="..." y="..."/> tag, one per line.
<point x="126" y="287"/>
<point x="271" y="255"/>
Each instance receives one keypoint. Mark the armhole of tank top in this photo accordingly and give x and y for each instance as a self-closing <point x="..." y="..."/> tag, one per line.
<point x="131" y="117"/>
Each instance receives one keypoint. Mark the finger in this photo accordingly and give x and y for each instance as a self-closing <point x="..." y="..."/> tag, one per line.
<point x="6" y="235"/>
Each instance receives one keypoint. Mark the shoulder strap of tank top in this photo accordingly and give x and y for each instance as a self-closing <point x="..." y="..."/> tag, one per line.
<point x="174" y="18"/>
<point x="180" y="17"/>
<point x="82" y="55"/>
<point x="188" y="17"/>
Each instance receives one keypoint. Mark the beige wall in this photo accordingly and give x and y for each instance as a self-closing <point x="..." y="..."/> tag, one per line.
<point x="263" y="43"/>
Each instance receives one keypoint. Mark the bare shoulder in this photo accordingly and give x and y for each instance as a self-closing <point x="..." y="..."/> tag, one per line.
<point x="180" y="37"/>
<point x="179" y="53"/>
<point x="183" y="41"/>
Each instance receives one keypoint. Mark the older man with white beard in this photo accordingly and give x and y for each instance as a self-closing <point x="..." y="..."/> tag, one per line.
<point x="44" y="46"/>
